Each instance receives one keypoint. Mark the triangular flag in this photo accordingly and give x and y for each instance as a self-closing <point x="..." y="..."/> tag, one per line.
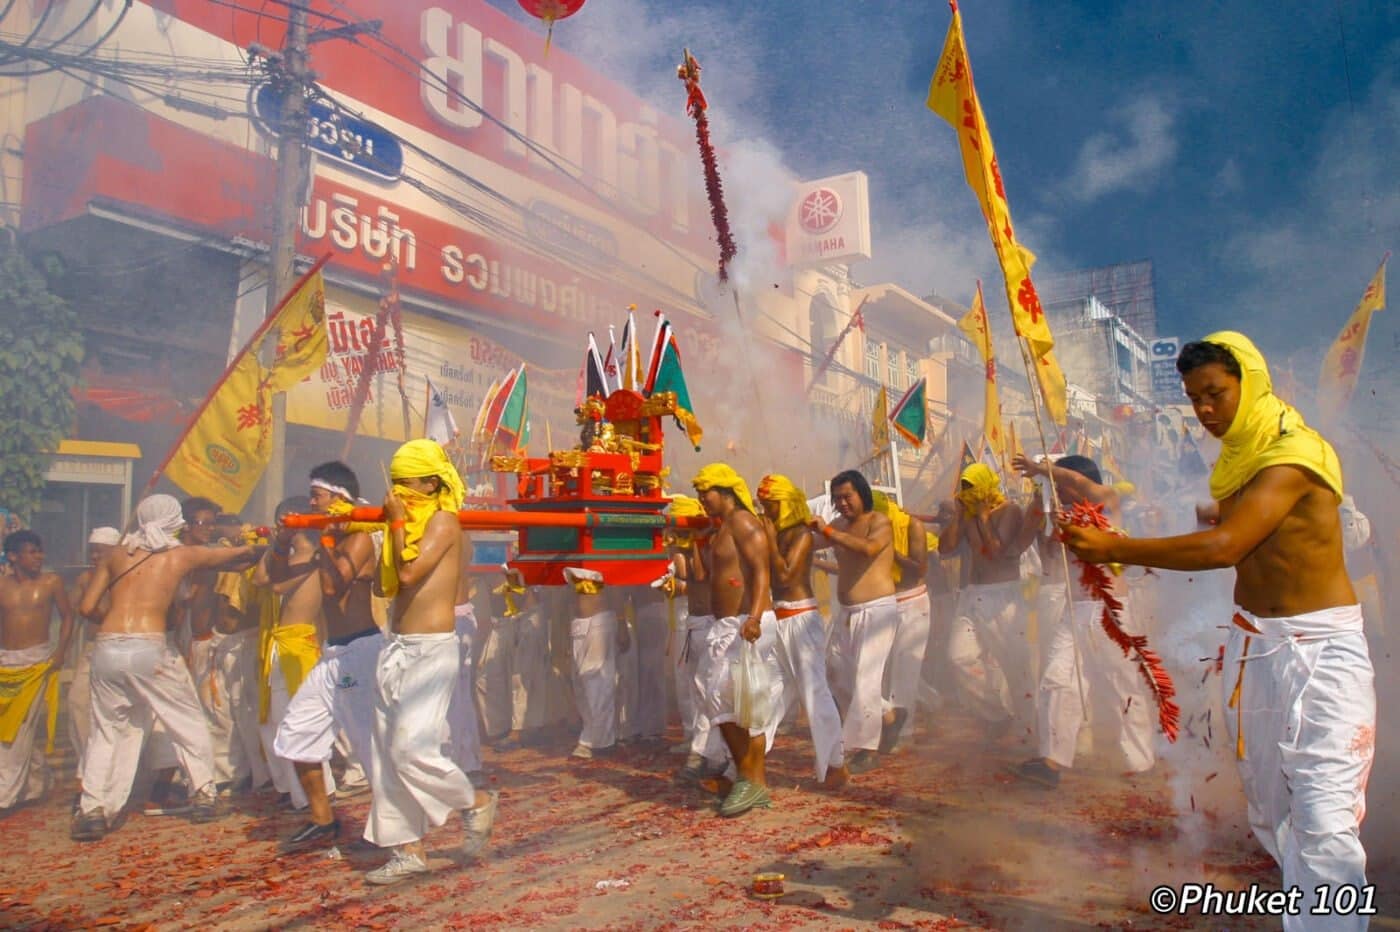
<point x="595" y="379"/>
<point x="910" y="415"/>
<point x="438" y="423"/>
<point x="632" y="374"/>
<point x="512" y="420"/>
<point x="669" y="377"/>
<point x="610" y="367"/>
<point x="498" y="404"/>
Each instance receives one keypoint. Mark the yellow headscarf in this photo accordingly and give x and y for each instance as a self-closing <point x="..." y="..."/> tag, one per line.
<point x="1266" y="430"/>
<point x="899" y="524"/>
<point x="682" y="506"/>
<point x="722" y="476"/>
<point x="419" y="459"/>
<point x="985" y="493"/>
<point x="792" y="504"/>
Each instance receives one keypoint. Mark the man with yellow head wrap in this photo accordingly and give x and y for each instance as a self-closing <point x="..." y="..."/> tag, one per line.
<point x="863" y="631"/>
<point x="689" y="578"/>
<point x="801" y="630"/>
<point x="1299" y="687"/>
<point x="743" y="606"/>
<point x="988" y="646"/>
<point x="904" y="669"/>
<point x="334" y="707"/>
<point x="416" y="785"/>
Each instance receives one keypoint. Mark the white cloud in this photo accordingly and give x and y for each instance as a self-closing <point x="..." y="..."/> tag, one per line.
<point x="1133" y="154"/>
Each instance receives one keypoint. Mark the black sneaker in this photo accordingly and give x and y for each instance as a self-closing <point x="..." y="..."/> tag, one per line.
<point x="1037" y="771"/>
<point x="864" y="761"/>
<point x="89" y="826"/>
<point x="312" y="834"/>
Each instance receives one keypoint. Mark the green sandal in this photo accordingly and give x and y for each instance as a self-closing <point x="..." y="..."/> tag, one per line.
<point x="743" y="797"/>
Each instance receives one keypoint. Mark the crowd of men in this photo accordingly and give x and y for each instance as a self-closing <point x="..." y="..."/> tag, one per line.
<point x="239" y="666"/>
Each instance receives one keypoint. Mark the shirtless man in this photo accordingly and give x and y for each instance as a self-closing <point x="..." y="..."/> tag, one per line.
<point x="906" y="663"/>
<point x="293" y="646"/>
<point x="337" y="696"/>
<point x="1299" y="688"/>
<point x="689" y="577"/>
<point x="415" y="785"/>
<point x="136" y="675"/>
<point x="801" y="631"/>
<point x="100" y="541"/>
<point x="741" y="597"/>
<point x="989" y="648"/>
<point x="863" y="631"/>
<point x="28" y="662"/>
<point x="1078" y="650"/>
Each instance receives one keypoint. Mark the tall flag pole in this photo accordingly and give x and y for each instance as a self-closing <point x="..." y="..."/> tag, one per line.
<point x="975" y="325"/>
<point x="1342" y="366"/>
<point x="952" y="96"/>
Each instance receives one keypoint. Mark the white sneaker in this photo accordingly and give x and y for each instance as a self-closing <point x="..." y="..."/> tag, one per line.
<point x="477" y="824"/>
<point x="400" y="866"/>
<point x="582" y="752"/>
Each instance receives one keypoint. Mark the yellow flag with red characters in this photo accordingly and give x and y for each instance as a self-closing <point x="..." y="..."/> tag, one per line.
<point x="952" y="96"/>
<point x="979" y="330"/>
<point x="223" y="454"/>
<point x="1343" y="363"/>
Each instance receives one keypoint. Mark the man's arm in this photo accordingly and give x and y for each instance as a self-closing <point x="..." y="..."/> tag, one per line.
<point x="65" y="615"/>
<point x="951" y="536"/>
<point x="752" y="544"/>
<point x="438" y="537"/>
<point x="218" y="558"/>
<point x="1262" y="506"/>
<point x="96" y="589"/>
<point x="879" y="537"/>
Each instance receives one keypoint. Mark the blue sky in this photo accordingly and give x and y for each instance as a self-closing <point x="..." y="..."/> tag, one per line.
<point x="1232" y="143"/>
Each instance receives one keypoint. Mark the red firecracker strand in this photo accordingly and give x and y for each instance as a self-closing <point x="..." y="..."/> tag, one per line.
<point x="1095" y="580"/>
<point x="696" y="105"/>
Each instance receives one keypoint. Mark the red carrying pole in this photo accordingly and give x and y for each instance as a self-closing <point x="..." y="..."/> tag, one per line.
<point x="509" y="520"/>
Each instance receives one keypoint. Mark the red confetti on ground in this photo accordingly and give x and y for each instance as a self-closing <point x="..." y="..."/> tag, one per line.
<point x="1095" y="580"/>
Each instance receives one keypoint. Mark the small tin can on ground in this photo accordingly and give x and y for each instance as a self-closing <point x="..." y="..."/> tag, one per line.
<point x="768" y="886"/>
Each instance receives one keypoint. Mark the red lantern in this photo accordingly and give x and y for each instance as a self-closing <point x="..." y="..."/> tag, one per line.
<point x="549" y="11"/>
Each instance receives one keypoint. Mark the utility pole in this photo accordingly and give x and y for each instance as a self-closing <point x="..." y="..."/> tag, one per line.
<point x="293" y="76"/>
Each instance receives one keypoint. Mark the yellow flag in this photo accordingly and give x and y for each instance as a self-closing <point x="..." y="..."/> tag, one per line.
<point x="952" y="96"/>
<point x="978" y="329"/>
<point x="880" y="422"/>
<point x="300" y="334"/>
<point x="224" y="454"/>
<point x="1343" y="363"/>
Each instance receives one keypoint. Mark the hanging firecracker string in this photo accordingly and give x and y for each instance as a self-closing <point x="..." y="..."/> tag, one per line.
<point x="1095" y="580"/>
<point x="695" y="104"/>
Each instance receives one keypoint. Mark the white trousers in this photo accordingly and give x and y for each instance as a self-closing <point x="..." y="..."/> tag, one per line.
<point x="1113" y="688"/>
<point x="415" y="786"/>
<point x="24" y="772"/>
<point x="80" y="701"/>
<point x="906" y="664"/>
<point x="235" y="661"/>
<point x="802" y="653"/>
<point x="492" y="667"/>
<point x="529" y="674"/>
<point x="337" y="697"/>
<point x="861" y="637"/>
<point x="216" y="706"/>
<point x="137" y="680"/>
<point x="595" y="678"/>
<point x="692" y="652"/>
<point x="716" y="673"/>
<point x="642" y="676"/>
<point x="464" y="735"/>
<point x="1307" y="714"/>
<point x="284" y="775"/>
<point x="989" y="651"/>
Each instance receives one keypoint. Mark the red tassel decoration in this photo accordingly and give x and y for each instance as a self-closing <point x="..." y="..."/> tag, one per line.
<point x="1095" y="580"/>
<point x="696" y="105"/>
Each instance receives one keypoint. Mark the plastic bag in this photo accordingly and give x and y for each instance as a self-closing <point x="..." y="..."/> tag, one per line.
<point x="753" y="689"/>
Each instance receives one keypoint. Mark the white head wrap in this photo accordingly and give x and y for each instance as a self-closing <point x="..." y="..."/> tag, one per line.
<point x="158" y="520"/>
<point x="108" y="536"/>
<point x="340" y="490"/>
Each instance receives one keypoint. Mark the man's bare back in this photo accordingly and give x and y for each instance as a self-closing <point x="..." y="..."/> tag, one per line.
<point x="142" y="585"/>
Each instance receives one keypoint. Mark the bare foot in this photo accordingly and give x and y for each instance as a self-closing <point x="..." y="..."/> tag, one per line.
<point x="836" y="777"/>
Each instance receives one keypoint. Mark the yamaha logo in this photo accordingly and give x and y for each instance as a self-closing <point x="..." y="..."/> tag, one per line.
<point x="819" y="211"/>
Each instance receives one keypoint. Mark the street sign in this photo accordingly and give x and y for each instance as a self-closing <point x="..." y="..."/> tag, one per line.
<point x="359" y="144"/>
<point x="1166" y="382"/>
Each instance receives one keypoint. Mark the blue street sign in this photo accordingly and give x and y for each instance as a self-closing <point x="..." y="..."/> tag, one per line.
<point x="360" y="144"/>
<point x="1166" y="382"/>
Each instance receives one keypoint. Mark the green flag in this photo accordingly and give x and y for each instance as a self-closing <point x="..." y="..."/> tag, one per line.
<point x="667" y="376"/>
<point x="910" y="416"/>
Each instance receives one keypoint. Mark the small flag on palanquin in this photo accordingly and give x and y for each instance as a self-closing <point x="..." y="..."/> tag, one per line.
<point x="595" y="378"/>
<point x="910" y="414"/>
<point x="666" y="375"/>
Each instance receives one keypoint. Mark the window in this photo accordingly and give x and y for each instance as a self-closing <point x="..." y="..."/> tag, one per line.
<point x="872" y="370"/>
<point x="911" y="370"/>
